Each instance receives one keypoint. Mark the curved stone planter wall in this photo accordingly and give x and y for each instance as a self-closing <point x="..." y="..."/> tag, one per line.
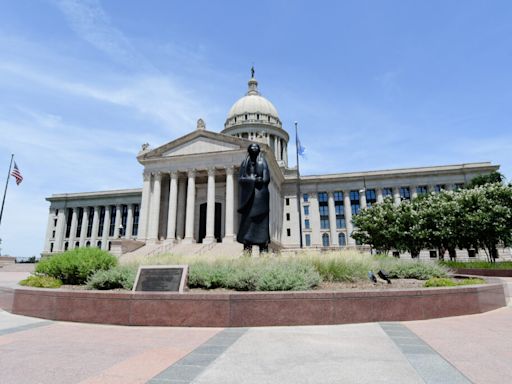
<point x="251" y="309"/>
<point x="485" y="272"/>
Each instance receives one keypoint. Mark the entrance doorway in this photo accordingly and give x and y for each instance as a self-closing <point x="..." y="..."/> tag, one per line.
<point x="217" y="225"/>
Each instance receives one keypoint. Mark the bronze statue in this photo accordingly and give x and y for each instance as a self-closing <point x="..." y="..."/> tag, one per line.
<point x="254" y="200"/>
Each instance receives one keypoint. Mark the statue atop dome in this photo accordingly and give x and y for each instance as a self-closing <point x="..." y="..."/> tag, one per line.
<point x="252" y="72"/>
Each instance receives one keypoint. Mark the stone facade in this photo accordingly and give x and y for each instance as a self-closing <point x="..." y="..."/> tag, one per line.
<point x="190" y="191"/>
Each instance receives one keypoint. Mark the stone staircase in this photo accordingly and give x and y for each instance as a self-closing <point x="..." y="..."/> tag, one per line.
<point x="181" y="249"/>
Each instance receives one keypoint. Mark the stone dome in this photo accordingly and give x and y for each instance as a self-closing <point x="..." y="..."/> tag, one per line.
<point x="252" y="108"/>
<point x="254" y="103"/>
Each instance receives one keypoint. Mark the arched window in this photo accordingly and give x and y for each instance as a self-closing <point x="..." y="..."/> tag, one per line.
<point x="109" y="245"/>
<point x="88" y="244"/>
<point x="245" y="117"/>
<point x="341" y="239"/>
<point x="66" y="246"/>
<point x="325" y="240"/>
<point x="98" y="244"/>
<point x="258" y="116"/>
<point x="77" y="244"/>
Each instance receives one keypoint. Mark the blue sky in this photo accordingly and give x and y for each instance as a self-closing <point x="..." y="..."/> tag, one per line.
<point x="373" y="85"/>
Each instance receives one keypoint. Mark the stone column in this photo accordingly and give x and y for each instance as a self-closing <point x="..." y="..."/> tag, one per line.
<point x="396" y="195"/>
<point x="154" y="215"/>
<point x="182" y="201"/>
<point x="85" y="224"/>
<point x="332" y="219"/>
<point x="129" y="222"/>
<point x="380" y="197"/>
<point x="210" y="208"/>
<point x="49" y="230"/>
<point x="275" y="147"/>
<point x="173" y="205"/>
<point x="72" y="232"/>
<point x="348" y="217"/>
<point x="285" y="153"/>
<point x="144" y="207"/>
<point x="362" y="198"/>
<point x="95" y="225"/>
<point x="60" y="230"/>
<point x="413" y="191"/>
<point x="117" y="221"/>
<point x="106" y="228"/>
<point x="235" y="203"/>
<point x="230" y="203"/>
<point x="191" y="204"/>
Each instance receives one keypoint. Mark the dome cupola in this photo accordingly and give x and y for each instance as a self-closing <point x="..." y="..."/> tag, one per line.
<point x="255" y="118"/>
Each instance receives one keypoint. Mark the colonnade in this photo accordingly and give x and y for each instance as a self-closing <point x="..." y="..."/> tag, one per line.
<point x="89" y="220"/>
<point x="181" y="213"/>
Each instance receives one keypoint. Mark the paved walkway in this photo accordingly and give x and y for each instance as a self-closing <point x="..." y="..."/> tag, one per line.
<point x="463" y="349"/>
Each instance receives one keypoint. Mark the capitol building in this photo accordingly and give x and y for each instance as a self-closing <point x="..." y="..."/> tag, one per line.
<point x="188" y="198"/>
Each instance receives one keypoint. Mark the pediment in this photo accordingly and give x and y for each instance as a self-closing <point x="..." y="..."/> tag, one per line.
<point x="200" y="145"/>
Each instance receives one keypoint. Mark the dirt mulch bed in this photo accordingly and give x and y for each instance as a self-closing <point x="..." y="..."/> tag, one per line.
<point x="325" y="286"/>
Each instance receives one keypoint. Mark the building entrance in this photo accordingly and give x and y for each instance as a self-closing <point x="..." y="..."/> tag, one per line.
<point x="202" y="222"/>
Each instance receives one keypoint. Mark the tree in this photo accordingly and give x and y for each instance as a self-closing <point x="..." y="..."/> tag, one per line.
<point x="490" y="178"/>
<point x="376" y="226"/>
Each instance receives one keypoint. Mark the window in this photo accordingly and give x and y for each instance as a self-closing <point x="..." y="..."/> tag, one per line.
<point x="54" y="222"/>
<point x="371" y="197"/>
<point x="340" y="209"/>
<point x="387" y="192"/>
<point x="288" y="232"/>
<point x="89" y="223"/>
<point x="306" y="210"/>
<point x="68" y="221"/>
<point x="439" y="187"/>
<point x="88" y="244"/>
<point x="287" y="201"/>
<point x="341" y="239"/>
<point x="421" y="190"/>
<point x="109" y="245"/>
<point x="112" y="226"/>
<point x="306" y="224"/>
<point x="136" y="211"/>
<point x="66" y="246"/>
<point x="258" y="116"/>
<point x="56" y="212"/>
<point x="459" y="186"/>
<point x="471" y="253"/>
<point x="323" y="208"/>
<point x="433" y="254"/>
<point x="53" y="234"/>
<point x="80" y="219"/>
<point x="287" y="217"/>
<point x="308" y="240"/>
<point x="405" y="193"/>
<point x="98" y="244"/>
<point x="396" y="254"/>
<point x="245" y="117"/>
<point x="101" y="222"/>
<point x="354" y="202"/>
<point x="325" y="240"/>
<point x="77" y="244"/>
<point x="306" y="197"/>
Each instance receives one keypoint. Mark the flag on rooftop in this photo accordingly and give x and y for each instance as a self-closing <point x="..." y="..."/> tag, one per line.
<point x="17" y="174"/>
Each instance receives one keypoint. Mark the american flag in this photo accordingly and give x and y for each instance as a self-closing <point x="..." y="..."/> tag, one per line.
<point x="17" y="174"/>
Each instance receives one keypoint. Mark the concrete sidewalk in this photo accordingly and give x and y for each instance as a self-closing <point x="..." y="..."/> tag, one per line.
<point x="452" y="350"/>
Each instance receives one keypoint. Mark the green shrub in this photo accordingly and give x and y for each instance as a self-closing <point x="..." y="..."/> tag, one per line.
<point x="254" y="275"/>
<point x="114" y="278"/>
<point x="446" y="282"/>
<point x="77" y="265"/>
<point x="41" y="282"/>
<point x="404" y="269"/>
<point x="337" y="268"/>
<point x="478" y="264"/>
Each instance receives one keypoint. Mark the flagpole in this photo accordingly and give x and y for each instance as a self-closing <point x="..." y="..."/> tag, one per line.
<point x="5" y="191"/>
<point x="298" y="184"/>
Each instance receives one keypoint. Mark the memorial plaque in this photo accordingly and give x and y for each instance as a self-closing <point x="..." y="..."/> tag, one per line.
<point x="161" y="278"/>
